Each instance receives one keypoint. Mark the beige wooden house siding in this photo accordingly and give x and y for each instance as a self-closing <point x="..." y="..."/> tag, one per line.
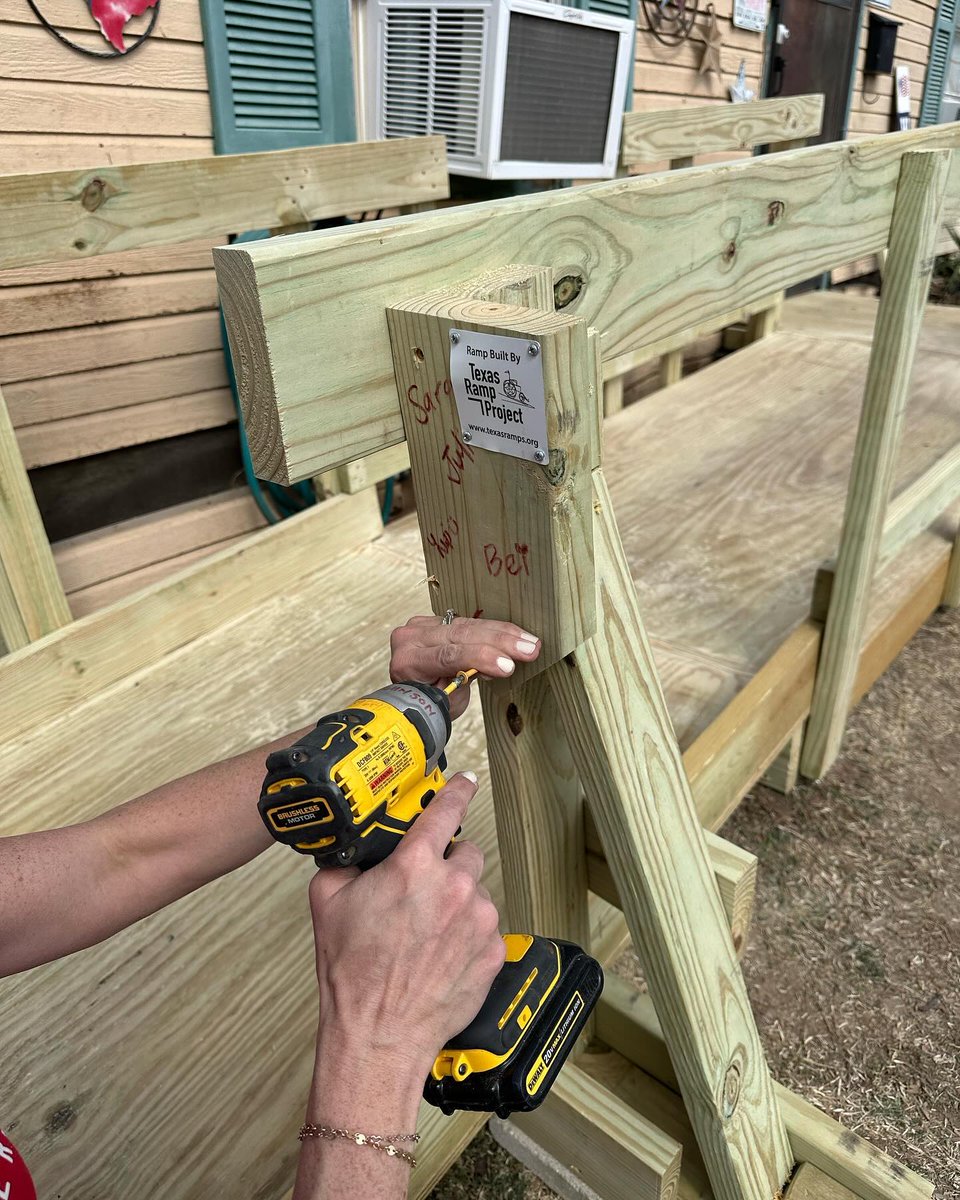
<point x="92" y="355"/>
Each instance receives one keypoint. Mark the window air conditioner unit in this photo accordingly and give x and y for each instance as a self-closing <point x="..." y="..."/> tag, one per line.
<point x="521" y="89"/>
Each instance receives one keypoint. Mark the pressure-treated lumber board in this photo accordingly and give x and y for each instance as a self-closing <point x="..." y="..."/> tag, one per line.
<point x="627" y="1020"/>
<point x="918" y="506"/>
<point x="916" y="217"/>
<point x="41" y="355"/>
<point x="640" y="800"/>
<point x="32" y="602"/>
<point x="842" y="315"/>
<point x="735" y="874"/>
<point x="810" y="1183"/>
<point x="653" y="1101"/>
<point x="95" y="433"/>
<point x="128" y="545"/>
<point x="951" y="588"/>
<point x="189" y="256"/>
<point x="36" y="401"/>
<point x="21" y="152"/>
<point x="709" y="239"/>
<point x="65" y="215"/>
<point x="97" y="301"/>
<point x="784" y="771"/>
<point x="605" y="1142"/>
<point x="500" y="534"/>
<point x="355" y="476"/>
<point x="651" y="137"/>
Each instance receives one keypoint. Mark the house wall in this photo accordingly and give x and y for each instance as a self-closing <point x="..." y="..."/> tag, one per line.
<point x="872" y="107"/>
<point x="123" y="349"/>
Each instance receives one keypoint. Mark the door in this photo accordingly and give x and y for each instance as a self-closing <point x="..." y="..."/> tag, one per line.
<point x="817" y="55"/>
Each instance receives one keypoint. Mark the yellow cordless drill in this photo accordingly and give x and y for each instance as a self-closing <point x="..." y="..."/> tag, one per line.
<point x="347" y="793"/>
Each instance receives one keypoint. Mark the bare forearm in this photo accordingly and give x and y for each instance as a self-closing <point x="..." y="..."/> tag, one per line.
<point x="65" y="889"/>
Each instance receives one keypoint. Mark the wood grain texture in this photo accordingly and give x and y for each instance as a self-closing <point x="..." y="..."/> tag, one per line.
<point x="98" y="301"/>
<point x="43" y="355"/>
<point x="100" y="108"/>
<point x="650" y="137"/>
<point x="355" y="476"/>
<point x="151" y="204"/>
<point x="784" y="771"/>
<point x="95" y="433"/>
<point x="128" y="545"/>
<point x="188" y="256"/>
<point x="847" y="317"/>
<point x="658" y="255"/>
<point x="29" y="53"/>
<point x="628" y="1021"/>
<point x="77" y="393"/>
<point x="919" y="505"/>
<point x="617" y="1152"/>
<point x="501" y="535"/>
<point x="916" y="217"/>
<point x="810" y="1183"/>
<point x="734" y="869"/>
<point x="32" y="602"/>
<point x="951" y="589"/>
<point x="21" y="152"/>
<point x="640" y="799"/>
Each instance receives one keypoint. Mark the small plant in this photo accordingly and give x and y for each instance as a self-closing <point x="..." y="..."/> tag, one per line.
<point x="945" y="283"/>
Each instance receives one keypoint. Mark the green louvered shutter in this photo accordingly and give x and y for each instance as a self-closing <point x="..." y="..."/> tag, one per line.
<point x="941" y="45"/>
<point x="612" y="8"/>
<point x="280" y="73"/>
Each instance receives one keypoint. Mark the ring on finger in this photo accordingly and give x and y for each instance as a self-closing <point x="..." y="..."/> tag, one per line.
<point x="447" y="618"/>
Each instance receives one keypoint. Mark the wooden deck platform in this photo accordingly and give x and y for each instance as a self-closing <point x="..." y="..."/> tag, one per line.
<point x="729" y="491"/>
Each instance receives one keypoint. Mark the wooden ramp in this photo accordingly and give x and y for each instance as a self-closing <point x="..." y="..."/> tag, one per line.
<point x="729" y="490"/>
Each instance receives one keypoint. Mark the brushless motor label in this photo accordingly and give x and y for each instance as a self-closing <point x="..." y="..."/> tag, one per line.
<point x="498" y="385"/>
<point x="561" y="1031"/>
<point x="388" y="757"/>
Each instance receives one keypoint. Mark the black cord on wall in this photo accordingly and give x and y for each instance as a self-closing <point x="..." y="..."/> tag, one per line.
<point x="111" y="53"/>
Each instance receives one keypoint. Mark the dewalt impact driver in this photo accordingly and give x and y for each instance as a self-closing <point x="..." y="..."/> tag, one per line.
<point x="347" y="793"/>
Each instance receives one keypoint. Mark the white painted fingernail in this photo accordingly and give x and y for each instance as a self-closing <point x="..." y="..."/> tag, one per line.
<point x="528" y="637"/>
<point x="471" y="775"/>
<point x="526" y="646"/>
<point x="507" y="665"/>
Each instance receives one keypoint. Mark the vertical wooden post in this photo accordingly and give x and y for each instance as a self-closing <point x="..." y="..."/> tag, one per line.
<point x="913" y="229"/>
<point x="612" y="395"/>
<point x="627" y="756"/>
<point x="671" y="368"/>
<point x="783" y="772"/>
<point x="951" y="590"/>
<point x="485" y="505"/>
<point x="32" y="600"/>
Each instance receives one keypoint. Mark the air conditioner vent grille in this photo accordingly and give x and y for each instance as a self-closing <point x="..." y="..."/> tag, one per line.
<point x="432" y="75"/>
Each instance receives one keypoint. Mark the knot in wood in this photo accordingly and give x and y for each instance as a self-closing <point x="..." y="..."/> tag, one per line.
<point x="731" y="1090"/>
<point x="775" y="211"/>
<point x="566" y="290"/>
<point x="730" y="252"/>
<point x="93" y="195"/>
<point x="514" y="720"/>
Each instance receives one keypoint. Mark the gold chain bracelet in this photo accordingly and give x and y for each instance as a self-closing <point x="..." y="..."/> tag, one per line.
<point x="379" y="1141"/>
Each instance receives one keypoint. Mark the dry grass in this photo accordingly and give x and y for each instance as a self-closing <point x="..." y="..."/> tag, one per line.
<point x="854" y="960"/>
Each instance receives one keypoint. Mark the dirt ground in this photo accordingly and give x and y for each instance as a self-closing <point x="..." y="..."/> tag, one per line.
<point x="853" y="965"/>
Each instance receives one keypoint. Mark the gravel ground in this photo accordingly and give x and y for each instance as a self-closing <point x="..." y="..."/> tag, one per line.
<point x="853" y="965"/>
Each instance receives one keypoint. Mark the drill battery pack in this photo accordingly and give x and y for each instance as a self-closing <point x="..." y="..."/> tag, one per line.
<point x="508" y="1056"/>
